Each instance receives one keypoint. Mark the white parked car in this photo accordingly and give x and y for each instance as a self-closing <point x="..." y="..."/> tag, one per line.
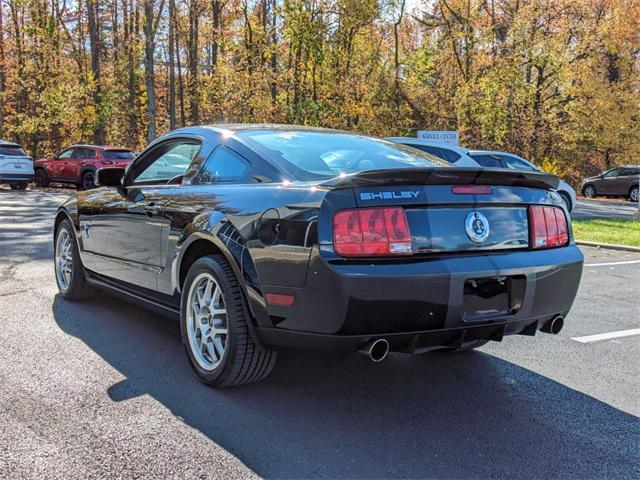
<point x="464" y="157"/>
<point x="451" y="153"/>
<point x="493" y="159"/>
<point x="16" y="166"/>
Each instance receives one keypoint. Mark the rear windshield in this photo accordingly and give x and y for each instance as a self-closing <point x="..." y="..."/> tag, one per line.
<point x="119" y="154"/>
<point x="312" y="155"/>
<point x="12" y="151"/>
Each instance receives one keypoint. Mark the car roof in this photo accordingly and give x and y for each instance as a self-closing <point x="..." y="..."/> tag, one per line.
<point x="245" y="127"/>
<point x="4" y="143"/>
<point x="431" y="143"/>
<point x="99" y="147"/>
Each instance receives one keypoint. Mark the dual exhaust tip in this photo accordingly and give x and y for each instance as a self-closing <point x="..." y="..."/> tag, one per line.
<point x="553" y="326"/>
<point x="378" y="349"/>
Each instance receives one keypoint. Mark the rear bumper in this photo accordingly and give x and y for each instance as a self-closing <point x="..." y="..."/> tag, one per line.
<point x="15" y="177"/>
<point x="407" y="342"/>
<point x="416" y="304"/>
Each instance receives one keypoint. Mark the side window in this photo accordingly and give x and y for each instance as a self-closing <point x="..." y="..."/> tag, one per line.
<point x="612" y="173"/>
<point x="429" y="149"/>
<point x="166" y="161"/>
<point x="516" y="163"/>
<point x="223" y="165"/>
<point x="68" y="153"/>
<point x="628" y="172"/>
<point x="84" y="153"/>
<point x="488" y="161"/>
<point x="449" y="155"/>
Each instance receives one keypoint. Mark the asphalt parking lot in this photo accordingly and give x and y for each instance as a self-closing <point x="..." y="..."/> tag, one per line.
<point x="104" y="389"/>
<point x="594" y="208"/>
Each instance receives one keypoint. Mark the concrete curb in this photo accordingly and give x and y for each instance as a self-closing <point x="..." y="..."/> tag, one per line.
<point x="610" y="246"/>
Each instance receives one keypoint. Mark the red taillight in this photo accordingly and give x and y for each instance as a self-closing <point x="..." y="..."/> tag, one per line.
<point x="547" y="227"/>
<point x="371" y="232"/>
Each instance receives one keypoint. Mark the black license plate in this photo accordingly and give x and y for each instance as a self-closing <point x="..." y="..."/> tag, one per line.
<point x="492" y="296"/>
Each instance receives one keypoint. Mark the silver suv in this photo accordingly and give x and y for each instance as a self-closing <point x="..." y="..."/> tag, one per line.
<point x="16" y="166"/>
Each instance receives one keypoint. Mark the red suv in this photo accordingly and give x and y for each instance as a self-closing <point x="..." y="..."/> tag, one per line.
<point x="78" y="164"/>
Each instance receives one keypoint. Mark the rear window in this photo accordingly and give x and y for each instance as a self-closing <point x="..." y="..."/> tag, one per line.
<point x="488" y="161"/>
<point x="119" y="154"/>
<point x="312" y="155"/>
<point x="12" y="151"/>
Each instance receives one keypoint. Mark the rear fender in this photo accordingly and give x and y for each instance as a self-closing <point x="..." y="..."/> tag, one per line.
<point x="228" y="241"/>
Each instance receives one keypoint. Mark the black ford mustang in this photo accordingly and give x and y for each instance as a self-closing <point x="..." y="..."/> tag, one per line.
<point x="263" y="237"/>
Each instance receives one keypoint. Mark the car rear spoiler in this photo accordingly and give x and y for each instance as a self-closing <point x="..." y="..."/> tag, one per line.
<point x="445" y="176"/>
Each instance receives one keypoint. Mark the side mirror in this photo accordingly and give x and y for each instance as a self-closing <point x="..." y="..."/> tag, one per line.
<point x="109" y="177"/>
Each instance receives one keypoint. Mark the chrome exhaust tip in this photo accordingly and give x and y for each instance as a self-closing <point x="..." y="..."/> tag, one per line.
<point x="377" y="350"/>
<point x="553" y="326"/>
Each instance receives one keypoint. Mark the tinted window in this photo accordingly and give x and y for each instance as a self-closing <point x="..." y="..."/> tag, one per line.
<point x="325" y="155"/>
<point x="223" y="166"/>
<point x="488" y="161"/>
<point x="167" y="161"/>
<point x="516" y="163"/>
<point x="84" y="153"/>
<point x="443" y="153"/>
<point x="118" y="154"/>
<point x="626" y="172"/>
<point x="68" y="153"/>
<point x="12" y="151"/>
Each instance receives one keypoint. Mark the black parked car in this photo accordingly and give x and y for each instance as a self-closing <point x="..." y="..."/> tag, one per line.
<point x="264" y="237"/>
<point x="617" y="182"/>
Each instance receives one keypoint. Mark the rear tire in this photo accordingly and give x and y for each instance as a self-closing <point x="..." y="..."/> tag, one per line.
<point x="88" y="180"/>
<point x="468" y="346"/>
<point x="633" y="194"/>
<point x="589" y="191"/>
<point x="67" y="265"/>
<point x="18" y="186"/>
<point x="41" y="178"/>
<point x="214" y="322"/>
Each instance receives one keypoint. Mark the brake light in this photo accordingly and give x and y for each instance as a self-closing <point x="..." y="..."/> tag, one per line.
<point x="547" y="227"/>
<point x="371" y="232"/>
<point x="471" y="190"/>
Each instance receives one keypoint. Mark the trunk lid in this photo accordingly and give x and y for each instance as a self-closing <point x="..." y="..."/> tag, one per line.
<point x="443" y="218"/>
<point x="16" y="164"/>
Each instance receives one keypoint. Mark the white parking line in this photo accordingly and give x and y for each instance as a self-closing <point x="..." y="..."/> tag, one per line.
<point x="626" y="262"/>
<point x="607" y="336"/>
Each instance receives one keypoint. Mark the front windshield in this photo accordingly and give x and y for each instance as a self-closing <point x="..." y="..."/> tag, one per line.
<point x="312" y="155"/>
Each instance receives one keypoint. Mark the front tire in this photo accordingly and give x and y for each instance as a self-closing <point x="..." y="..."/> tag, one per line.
<point x="214" y="321"/>
<point x="589" y="191"/>
<point x="633" y="194"/>
<point x="68" y="267"/>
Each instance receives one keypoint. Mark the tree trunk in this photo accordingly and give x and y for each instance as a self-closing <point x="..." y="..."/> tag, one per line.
<point x="193" y="50"/>
<point x="94" y="39"/>
<point x="172" y="68"/>
<point x="2" y="72"/>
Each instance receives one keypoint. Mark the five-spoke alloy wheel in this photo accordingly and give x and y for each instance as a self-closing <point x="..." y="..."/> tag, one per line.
<point x="206" y="321"/>
<point x="68" y="267"/>
<point x="64" y="260"/>
<point x="216" y="326"/>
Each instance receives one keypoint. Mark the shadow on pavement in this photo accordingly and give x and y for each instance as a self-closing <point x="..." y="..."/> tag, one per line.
<point x="441" y="415"/>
